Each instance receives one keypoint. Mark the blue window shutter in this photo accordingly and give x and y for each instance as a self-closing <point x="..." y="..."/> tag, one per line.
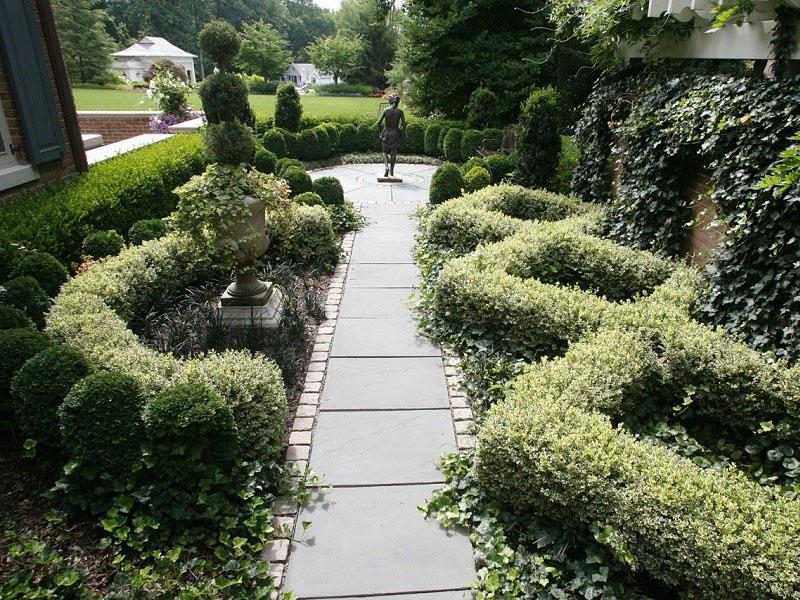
<point x="24" y="57"/>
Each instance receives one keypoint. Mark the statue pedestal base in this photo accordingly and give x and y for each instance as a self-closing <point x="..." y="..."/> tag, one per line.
<point x="390" y="180"/>
<point x="263" y="316"/>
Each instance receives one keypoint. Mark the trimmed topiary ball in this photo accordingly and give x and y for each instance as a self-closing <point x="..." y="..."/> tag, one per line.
<point x="288" y="110"/>
<point x="452" y="145"/>
<point x="330" y="190"/>
<point x="477" y="178"/>
<point x="264" y="160"/>
<point x="298" y="180"/>
<point x="309" y="199"/>
<point x="230" y="143"/>
<point x="9" y="254"/>
<point x="16" y="347"/>
<point x="274" y="141"/>
<point x="191" y="430"/>
<point x="101" y="424"/>
<point x="440" y="141"/>
<point x="325" y="142"/>
<point x="27" y="295"/>
<point x="102" y="243"/>
<point x="432" y="133"/>
<point x="348" y="137"/>
<point x="499" y="166"/>
<point x="482" y="108"/>
<point x="475" y="161"/>
<point x="308" y="145"/>
<point x="224" y="97"/>
<point x="285" y="163"/>
<point x="14" y="318"/>
<point x="333" y="130"/>
<point x="471" y="142"/>
<point x="364" y="135"/>
<point x="415" y="138"/>
<point x="39" y="388"/>
<point x="539" y="139"/>
<point x="220" y="42"/>
<point x="447" y="183"/>
<point x="45" y="269"/>
<point x="146" y="229"/>
<point x="291" y="143"/>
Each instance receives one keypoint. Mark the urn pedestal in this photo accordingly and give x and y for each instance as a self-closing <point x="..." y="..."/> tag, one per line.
<point x="248" y="301"/>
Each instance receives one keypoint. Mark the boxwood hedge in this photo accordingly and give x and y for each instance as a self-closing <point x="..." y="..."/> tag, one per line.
<point x="113" y="195"/>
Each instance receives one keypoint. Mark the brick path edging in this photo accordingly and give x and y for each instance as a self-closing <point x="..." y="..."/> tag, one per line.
<point x="299" y="449"/>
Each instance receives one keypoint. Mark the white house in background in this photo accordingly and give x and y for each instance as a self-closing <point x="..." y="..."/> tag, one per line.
<point x="752" y="40"/>
<point x="303" y="74"/>
<point x="133" y="62"/>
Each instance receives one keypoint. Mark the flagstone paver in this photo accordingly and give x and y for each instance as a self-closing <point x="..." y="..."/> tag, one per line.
<point x="382" y="418"/>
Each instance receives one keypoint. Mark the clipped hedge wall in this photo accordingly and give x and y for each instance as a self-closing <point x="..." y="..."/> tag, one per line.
<point x="92" y="312"/>
<point x="112" y="195"/>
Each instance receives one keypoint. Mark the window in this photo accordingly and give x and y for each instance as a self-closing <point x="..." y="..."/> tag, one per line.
<point x="6" y="156"/>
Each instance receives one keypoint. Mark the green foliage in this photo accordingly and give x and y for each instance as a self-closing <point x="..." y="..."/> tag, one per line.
<point x="345" y="217"/>
<point x="86" y="45"/>
<point x="27" y="295"/>
<point x="500" y="166"/>
<point x="112" y="195"/>
<point x="737" y="127"/>
<point x="308" y="199"/>
<point x="304" y="236"/>
<point x="170" y="93"/>
<point x="191" y="432"/>
<point x="451" y="146"/>
<point x="348" y="138"/>
<point x="39" y="388"/>
<point x="44" y="268"/>
<point x="101" y="424"/>
<point x="538" y="139"/>
<point x="264" y="160"/>
<point x="447" y="182"/>
<point x="264" y="50"/>
<point x="440" y="142"/>
<point x="336" y="54"/>
<point x="285" y="163"/>
<point x="273" y="141"/>
<point x="146" y="229"/>
<point x="34" y="570"/>
<point x="570" y="157"/>
<point x="230" y="143"/>
<point x="365" y="137"/>
<point x="308" y="145"/>
<point x="471" y="142"/>
<point x="481" y="110"/>
<point x="415" y="138"/>
<point x="476" y="178"/>
<point x="16" y="347"/>
<point x="330" y="190"/>
<point x="298" y="180"/>
<point x="14" y="318"/>
<point x="288" y="109"/>
<point x="101" y="244"/>
<point x="344" y="89"/>
<point x="220" y="42"/>
<point x="224" y="97"/>
<point x="333" y="130"/>
<point x="291" y="143"/>
<point x="325" y="145"/>
<point x="432" y="133"/>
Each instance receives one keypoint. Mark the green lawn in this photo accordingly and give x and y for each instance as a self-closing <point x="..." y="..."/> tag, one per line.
<point x="314" y="106"/>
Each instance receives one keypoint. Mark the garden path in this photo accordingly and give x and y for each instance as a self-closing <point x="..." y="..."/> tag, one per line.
<point x="384" y="420"/>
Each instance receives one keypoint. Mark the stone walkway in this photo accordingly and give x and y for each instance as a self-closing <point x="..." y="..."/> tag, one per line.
<point x="384" y="420"/>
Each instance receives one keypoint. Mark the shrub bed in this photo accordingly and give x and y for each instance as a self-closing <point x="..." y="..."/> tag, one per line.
<point x="112" y="195"/>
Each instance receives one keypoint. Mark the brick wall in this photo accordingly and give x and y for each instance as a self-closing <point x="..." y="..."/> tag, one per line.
<point x="49" y="172"/>
<point x="115" y="126"/>
<point x="704" y="236"/>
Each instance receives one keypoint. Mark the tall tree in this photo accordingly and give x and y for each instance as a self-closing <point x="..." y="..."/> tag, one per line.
<point x="449" y="49"/>
<point x="337" y="54"/>
<point x="375" y="22"/>
<point x="307" y="21"/>
<point x="264" y="50"/>
<point x="86" y="44"/>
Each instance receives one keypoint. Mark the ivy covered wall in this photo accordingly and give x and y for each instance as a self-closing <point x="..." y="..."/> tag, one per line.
<point x="661" y="126"/>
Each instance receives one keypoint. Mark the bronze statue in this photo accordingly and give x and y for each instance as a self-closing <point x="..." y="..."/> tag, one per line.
<point x="393" y="121"/>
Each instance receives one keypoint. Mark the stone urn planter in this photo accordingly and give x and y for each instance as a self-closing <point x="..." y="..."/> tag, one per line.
<point x="248" y="299"/>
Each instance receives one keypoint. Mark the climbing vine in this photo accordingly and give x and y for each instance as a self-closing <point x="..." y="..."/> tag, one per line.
<point x="784" y="38"/>
<point x="734" y="126"/>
